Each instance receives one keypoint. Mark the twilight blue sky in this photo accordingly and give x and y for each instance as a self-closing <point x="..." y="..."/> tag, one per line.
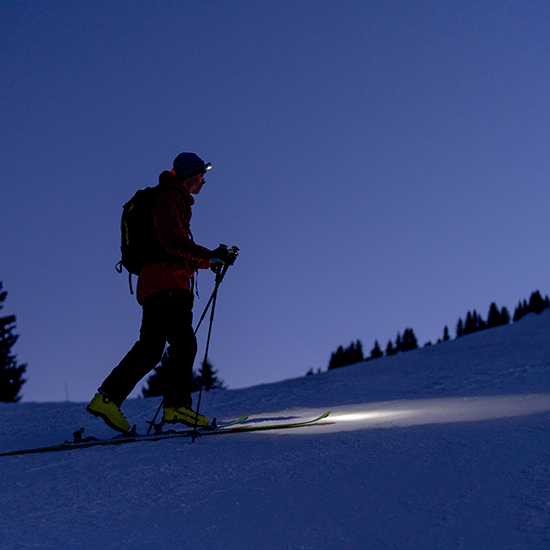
<point x="381" y="165"/>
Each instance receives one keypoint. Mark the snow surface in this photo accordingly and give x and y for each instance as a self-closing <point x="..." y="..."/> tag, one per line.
<point x="445" y="447"/>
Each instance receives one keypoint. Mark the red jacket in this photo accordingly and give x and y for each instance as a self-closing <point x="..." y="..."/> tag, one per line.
<point x="171" y="217"/>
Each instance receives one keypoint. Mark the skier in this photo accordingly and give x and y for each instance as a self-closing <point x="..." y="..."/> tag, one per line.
<point x="164" y="291"/>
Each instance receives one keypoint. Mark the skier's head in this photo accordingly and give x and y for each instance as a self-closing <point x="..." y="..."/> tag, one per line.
<point x="194" y="183"/>
<point x="187" y="165"/>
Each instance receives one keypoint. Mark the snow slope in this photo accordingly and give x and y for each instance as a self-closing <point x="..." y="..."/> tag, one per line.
<point x="446" y="447"/>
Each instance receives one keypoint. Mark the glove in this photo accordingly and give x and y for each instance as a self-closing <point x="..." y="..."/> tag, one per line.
<point x="223" y="255"/>
<point x="219" y="256"/>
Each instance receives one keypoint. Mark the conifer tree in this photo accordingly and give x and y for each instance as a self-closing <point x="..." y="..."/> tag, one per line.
<point x="497" y="318"/>
<point x="480" y="323"/>
<point x="459" y="328"/>
<point x="11" y="374"/>
<point x="493" y="318"/>
<point x="398" y="343"/>
<point x="446" y="334"/>
<point x="519" y="312"/>
<point x="349" y="356"/>
<point x="390" y="350"/>
<point x="536" y="303"/>
<point x="357" y="355"/>
<point x="156" y="383"/>
<point x="376" y="352"/>
<point x="470" y="324"/>
<point x="474" y="322"/>
<point x="207" y="376"/>
<point x="336" y="359"/>
<point x="409" y="341"/>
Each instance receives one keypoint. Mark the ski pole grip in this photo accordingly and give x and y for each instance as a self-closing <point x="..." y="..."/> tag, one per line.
<point x="227" y="255"/>
<point x="232" y="254"/>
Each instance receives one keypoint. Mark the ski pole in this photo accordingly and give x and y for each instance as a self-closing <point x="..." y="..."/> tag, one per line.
<point x="222" y="275"/>
<point x="232" y="255"/>
<point x="219" y="277"/>
<point x="152" y="422"/>
<point x="230" y="260"/>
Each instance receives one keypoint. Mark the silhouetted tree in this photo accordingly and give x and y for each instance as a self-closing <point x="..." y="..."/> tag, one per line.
<point x="536" y="304"/>
<point x="156" y="383"/>
<point x="207" y="376"/>
<point x="497" y="318"/>
<point x="349" y="356"/>
<point x="469" y="324"/>
<point x="493" y="318"/>
<point x="519" y="312"/>
<point x="337" y="359"/>
<point x="398" y="343"/>
<point x="409" y="341"/>
<point x="376" y="352"/>
<point x="446" y="334"/>
<point x="480" y="323"/>
<point x="11" y="374"/>
<point x="358" y="351"/>
<point x="459" y="328"/>
<point x="390" y="350"/>
<point x="474" y="322"/>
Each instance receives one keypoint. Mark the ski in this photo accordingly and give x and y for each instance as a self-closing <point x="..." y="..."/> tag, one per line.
<point x="214" y="426"/>
<point x="238" y="421"/>
<point x="264" y="427"/>
<point x="231" y="427"/>
<point x="130" y="437"/>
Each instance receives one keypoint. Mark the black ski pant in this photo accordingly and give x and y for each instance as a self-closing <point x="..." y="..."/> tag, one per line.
<point x="167" y="317"/>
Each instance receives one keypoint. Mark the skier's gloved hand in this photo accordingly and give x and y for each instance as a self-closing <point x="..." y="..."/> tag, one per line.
<point x="219" y="256"/>
<point x="232" y="254"/>
<point x="223" y="256"/>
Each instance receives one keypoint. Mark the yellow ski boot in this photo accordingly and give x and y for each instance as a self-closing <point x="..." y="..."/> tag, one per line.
<point x="183" y="415"/>
<point x="109" y="411"/>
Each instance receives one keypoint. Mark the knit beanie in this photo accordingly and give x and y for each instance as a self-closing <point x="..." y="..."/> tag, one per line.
<point x="187" y="165"/>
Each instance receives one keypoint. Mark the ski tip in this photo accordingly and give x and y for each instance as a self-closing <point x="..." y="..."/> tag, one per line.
<point x="238" y="421"/>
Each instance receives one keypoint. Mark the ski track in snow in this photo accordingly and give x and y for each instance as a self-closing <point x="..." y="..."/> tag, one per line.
<point x="445" y="447"/>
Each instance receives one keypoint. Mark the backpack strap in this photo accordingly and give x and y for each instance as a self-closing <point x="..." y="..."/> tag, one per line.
<point x="195" y="277"/>
<point x="118" y="267"/>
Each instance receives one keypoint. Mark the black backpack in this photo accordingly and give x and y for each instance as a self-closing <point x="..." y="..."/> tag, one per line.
<point x="139" y="243"/>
